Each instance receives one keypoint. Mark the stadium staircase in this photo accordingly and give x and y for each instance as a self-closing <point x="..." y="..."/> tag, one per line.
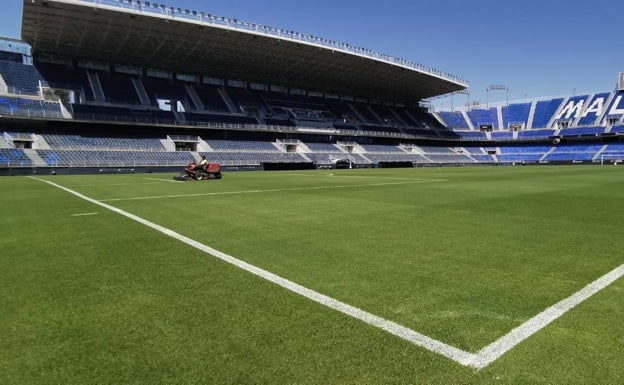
<point x="37" y="161"/>
<point x="599" y="153"/>
<point x="531" y="115"/>
<point x="499" y="113"/>
<point x="552" y="149"/>
<point x="467" y="119"/>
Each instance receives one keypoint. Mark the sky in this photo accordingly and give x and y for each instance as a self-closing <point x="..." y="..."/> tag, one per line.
<point x="534" y="48"/>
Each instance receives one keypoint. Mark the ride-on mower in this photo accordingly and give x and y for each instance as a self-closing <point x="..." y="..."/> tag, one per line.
<point x="193" y="172"/>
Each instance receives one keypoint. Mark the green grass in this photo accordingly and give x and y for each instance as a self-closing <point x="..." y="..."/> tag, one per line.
<point x="462" y="255"/>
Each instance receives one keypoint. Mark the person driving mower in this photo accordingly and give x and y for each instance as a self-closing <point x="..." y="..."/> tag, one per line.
<point x="202" y="164"/>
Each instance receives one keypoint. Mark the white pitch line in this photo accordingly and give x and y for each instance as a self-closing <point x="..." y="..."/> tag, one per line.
<point x="83" y="214"/>
<point x="478" y="361"/>
<point x="270" y="190"/>
<point x="496" y="349"/>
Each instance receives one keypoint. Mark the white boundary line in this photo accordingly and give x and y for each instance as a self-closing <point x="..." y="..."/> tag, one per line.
<point x="478" y="361"/>
<point x="496" y="349"/>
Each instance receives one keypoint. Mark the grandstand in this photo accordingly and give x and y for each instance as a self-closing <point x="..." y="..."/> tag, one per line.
<point x="110" y="97"/>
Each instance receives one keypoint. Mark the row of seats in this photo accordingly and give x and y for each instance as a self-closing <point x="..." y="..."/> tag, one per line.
<point x="378" y="154"/>
<point x="575" y="112"/>
<point x="10" y="105"/>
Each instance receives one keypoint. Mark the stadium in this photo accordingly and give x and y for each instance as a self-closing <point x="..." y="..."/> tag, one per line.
<point x="390" y="243"/>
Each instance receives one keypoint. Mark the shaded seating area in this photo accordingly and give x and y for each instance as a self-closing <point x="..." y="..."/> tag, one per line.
<point x="21" y="79"/>
<point x="84" y="142"/>
<point x="14" y="157"/>
<point x="119" y="158"/>
<point x="17" y="106"/>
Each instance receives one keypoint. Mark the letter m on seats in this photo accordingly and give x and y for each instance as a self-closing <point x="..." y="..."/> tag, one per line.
<point x="572" y="108"/>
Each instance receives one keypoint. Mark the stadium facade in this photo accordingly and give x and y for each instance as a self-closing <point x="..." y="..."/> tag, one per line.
<point x="99" y="85"/>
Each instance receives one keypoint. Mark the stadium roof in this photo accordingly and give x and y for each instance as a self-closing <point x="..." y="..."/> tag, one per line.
<point x="157" y="36"/>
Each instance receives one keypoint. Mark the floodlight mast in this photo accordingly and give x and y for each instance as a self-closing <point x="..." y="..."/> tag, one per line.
<point x="496" y="87"/>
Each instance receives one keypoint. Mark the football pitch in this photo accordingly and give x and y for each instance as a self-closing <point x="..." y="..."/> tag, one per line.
<point x="458" y="275"/>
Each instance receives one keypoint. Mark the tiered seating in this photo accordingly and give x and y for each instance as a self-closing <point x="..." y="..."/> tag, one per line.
<point x="572" y="153"/>
<point x="617" y="129"/>
<point x="374" y="128"/>
<point x="444" y="155"/>
<point x="519" y="154"/>
<point x="396" y="157"/>
<point x="472" y="135"/>
<point x="324" y="153"/>
<point x="167" y="90"/>
<point x="118" y="88"/>
<point x="197" y="118"/>
<point x="342" y="111"/>
<point x="366" y="114"/>
<point x="63" y="77"/>
<point x="210" y="97"/>
<point x="386" y="115"/>
<point x="516" y="113"/>
<point x="245" y="100"/>
<point x="118" y="158"/>
<point x="478" y="154"/>
<point x="241" y="146"/>
<point x="591" y="117"/>
<point x="20" y="78"/>
<point x="535" y="134"/>
<point x="582" y="131"/>
<point x="76" y="142"/>
<point x="544" y="111"/>
<point x="246" y="158"/>
<point x="454" y="120"/>
<point x="406" y="117"/>
<point x="614" y="151"/>
<point x="122" y="114"/>
<point x="234" y="152"/>
<point x="13" y="157"/>
<point x="501" y="135"/>
<point x="480" y="116"/>
<point x="322" y="147"/>
<point x="29" y="107"/>
<point x="378" y="148"/>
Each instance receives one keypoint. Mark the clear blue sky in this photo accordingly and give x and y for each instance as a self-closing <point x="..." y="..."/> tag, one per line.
<point x="534" y="47"/>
